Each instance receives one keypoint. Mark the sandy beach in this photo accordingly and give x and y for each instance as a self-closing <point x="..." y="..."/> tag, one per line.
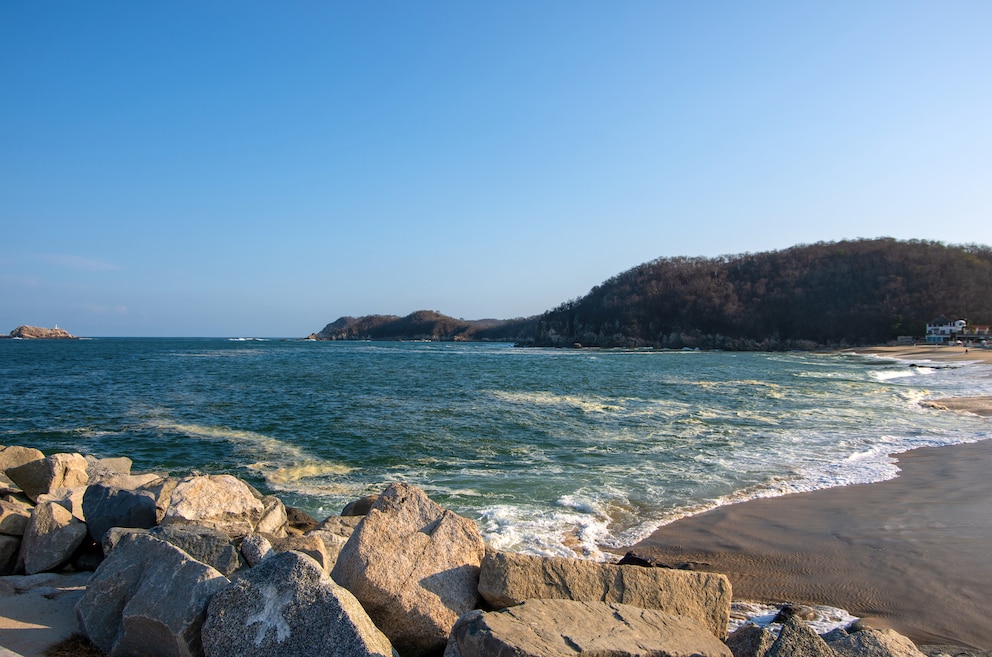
<point x="912" y="553"/>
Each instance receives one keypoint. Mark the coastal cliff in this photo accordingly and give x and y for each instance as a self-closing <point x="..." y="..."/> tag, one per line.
<point x="39" y="333"/>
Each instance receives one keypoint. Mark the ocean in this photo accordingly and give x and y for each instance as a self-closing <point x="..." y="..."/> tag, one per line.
<point x="557" y="452"/>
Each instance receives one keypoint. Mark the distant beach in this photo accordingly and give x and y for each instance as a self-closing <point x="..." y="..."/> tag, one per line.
<point x="911" y="553"/>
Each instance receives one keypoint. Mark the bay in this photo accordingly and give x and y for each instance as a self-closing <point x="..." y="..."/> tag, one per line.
<point x="551" y="451"/>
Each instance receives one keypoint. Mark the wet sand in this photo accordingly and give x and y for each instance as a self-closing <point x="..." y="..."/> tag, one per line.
<point x="930" y="352"/>
<point x="913" y="553"/>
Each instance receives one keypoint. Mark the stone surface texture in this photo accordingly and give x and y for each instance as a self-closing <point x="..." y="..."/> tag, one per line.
<point x="107" y="506"/>
<point x="219" y="501"/>
<point x="51" y="537"/>
<point x="797" y="639"/>
<point x="509" y="579"/>
<point x="148" y="598"/>
<point x="274" y="519"/>
<point x="12" y="456"/>
<point x="254" y="548"/>
<point x="287" y="606"/>
<point x="14" y="518"/>
<point x="750" y="641"/>
<point x="205" y="544"/>
<point x="43" y="476"/>
<point x="875" y="643"/>
<point x="311" y="546"/>
<point x="414" y="567"/>
<point x="547" y="628"/>
<point x="10" y="546"/>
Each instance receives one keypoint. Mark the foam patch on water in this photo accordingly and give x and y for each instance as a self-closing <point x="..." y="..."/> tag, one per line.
<point x="282" y="465"/>
<point x="550" y="399"/>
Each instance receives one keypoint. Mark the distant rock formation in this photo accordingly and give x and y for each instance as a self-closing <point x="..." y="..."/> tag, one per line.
<point x="39" y="333"/>
<point x="428" y="325"/>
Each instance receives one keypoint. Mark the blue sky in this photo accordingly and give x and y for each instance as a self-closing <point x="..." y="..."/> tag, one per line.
<point x="261" y="168"/>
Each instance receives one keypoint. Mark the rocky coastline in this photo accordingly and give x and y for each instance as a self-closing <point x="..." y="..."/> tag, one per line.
<point x="206" y="565"/>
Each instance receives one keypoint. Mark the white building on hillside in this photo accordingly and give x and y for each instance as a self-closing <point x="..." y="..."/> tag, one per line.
<point x="942" y="330"/>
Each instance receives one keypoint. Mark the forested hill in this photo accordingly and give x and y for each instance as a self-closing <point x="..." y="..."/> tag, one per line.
<point x="827" y="294"/>
<point x="429" y="325"/>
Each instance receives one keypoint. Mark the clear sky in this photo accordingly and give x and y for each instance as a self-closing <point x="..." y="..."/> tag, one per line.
<point x="262" y="168"/>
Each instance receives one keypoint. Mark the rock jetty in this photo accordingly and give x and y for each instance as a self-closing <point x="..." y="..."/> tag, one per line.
<point x="207" y="565"/>
<point x="39" y="333"/>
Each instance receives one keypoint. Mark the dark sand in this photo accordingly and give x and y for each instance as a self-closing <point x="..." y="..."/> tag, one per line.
<point x="913" y="553"/>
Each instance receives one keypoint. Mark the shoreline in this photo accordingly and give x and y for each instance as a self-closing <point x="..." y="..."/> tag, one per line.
<point x="910" y="553"/>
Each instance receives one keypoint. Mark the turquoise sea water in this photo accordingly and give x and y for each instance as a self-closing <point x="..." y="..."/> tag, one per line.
<point x="551" y="451"/>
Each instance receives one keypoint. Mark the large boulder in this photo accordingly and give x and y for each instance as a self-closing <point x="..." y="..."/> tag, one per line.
<point x="148" y="598"/>
<point x="335" y="532"/>
<point x="254" y="548"/>
<point x="99" y="469"/>
<point x="116" y="472"/>
<point x="13" y="456"/>
<point x="205" y="544"/>
<point x="45" y="475"/>
<point x="287" y="606"/>
<point x="10" y="546"/>
<point x="219" y="501"/>
<point x="69" y="498"/>
<point x="299" y="521"/>
<point x="546" y="628"/>
<point x="162" y="490"/>
<point x="509" y="579"/>
<point x="8" y="487"/>
<point x="50" y="539"/>
<point x="797" y="639"/>
<point x="414" y="567"/>
<point x="311" y="546"/>
<point x="107" y="506"/>
<point x="274" y="518"/>
<point x="14" y="518"/>
<point x="875" y="643"/>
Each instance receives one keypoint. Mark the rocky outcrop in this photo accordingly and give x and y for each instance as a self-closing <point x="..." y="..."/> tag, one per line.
<point x="414" y="567"/>
<point x="509" y="579"/>
<point x="548" y="628"/>
<point x="287" y="606"/>
<point x="149" y="598"/>
<point x="39" y="333"/>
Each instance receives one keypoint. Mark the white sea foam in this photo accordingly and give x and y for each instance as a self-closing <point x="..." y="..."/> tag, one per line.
<point x="889" y="375"/>
<point x="550" y="399"/>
